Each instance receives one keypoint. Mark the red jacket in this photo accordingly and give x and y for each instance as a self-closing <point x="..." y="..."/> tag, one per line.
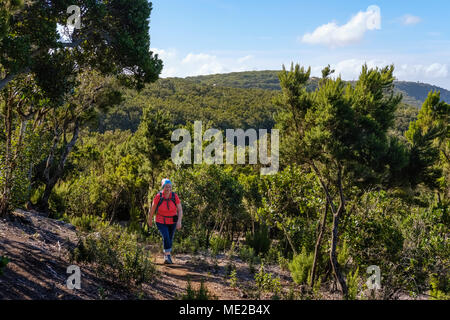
<point x="164" y="214"/>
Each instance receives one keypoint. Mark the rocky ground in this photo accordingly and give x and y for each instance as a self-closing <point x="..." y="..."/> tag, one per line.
<point x="38" y="249"/>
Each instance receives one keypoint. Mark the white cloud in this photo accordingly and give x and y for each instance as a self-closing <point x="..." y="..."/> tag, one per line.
<point x="202" y="63"/>
<point x="246" y="58"/>
<point x="432" y="71"/>
<point x="193" y="64"/>
<point x="353" y="31"/>
<point x="351" y="68"/>
<point x="409" y="20"/>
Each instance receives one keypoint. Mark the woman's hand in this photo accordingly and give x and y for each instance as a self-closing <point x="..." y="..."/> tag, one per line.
<point x="178" y="225"/>
<point x="150" y="221"/>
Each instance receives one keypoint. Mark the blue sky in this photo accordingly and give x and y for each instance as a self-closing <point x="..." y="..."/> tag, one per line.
<point x="218" y="36"/>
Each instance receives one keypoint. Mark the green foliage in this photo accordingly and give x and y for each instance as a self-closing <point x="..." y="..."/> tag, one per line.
<point x="426" y="249"/>
<point x="419" y="92"/>
<point x="118" y="39"/>
<point x="283" y="262"/>
<point x="440" y="288"/>
<point x="86" y="223"/>
<point x="273" y="253"/>
<point x="414" y="93"/>
<point x="259" y="240"/>
<point x="301" y="266"/>
<point x="291" y="203"/>
<point x="353" y="283"/>
<point x="185" y="101"/>
<point x="248" y="255"/>
<point x="212" y="198"/>
<point x="117" y="254"/>
<point x="202" y="293"/>
<point x="265" y="282"/>
<point x="218" y="244"/>
<point x="428" y="137"/>
<point x="3" y="262"/>
<point x="187" y="245"/>
<point x="343" y="254"/>
<point x="233" y="279"/>
<point x="373" y="234"/>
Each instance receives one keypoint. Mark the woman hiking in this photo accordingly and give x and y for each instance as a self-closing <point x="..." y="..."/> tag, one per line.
<point x="168" y="216"/>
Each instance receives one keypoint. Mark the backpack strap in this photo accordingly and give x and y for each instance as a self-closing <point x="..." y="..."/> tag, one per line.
<point x="162" y="199"/>
<point x="173" y="199"/>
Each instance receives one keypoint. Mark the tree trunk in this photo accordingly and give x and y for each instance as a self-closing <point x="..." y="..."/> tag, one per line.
<point x="317" y="248"/>
<point x="335" y="236"/>
<point x="51" y="181"/>
<point x="333" y="255"/>
<point x="7" y="169"/>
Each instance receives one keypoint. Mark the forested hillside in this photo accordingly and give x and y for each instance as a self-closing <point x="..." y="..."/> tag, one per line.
<point x="220" y="104"/>
<point x="414" y="93"/>
<point x="222" y="107"/>
<point x="356" y="206"/>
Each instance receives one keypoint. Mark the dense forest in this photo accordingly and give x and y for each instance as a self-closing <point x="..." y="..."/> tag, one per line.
<point x="414" y="93"/>
<point x="363" y="180"/>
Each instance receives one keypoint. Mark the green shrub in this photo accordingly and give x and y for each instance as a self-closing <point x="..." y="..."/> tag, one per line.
<point x="283" y="262"/>
<point x="259" y="240"/>
<point x="116" y="253"/>
<point x="187" y="245"/>
<point x="272" y="255"/>
<point x="86" y="223"/>
<point x="233" y="279"/>
<point x="3" y="262"/>
<point x="439" y="287"/>
<point x="201" y="294"/>
<point x="218" y="244"/>
<point x="266" y="283"/>
<point x="343" y="254"/>
<point x="247" y="254"/>
<point x="301" y="266"/>
<point x="352" y="283"/>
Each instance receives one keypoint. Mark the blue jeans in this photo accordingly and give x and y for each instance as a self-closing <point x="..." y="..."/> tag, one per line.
<point x="167" y="231"/>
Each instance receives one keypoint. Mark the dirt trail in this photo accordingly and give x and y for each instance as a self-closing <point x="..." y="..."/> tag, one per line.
<point x="174" y="278"/>
<point x="38" y="250"/>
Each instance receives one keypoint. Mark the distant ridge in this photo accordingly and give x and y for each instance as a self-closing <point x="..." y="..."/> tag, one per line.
<point x="414" y="93"/>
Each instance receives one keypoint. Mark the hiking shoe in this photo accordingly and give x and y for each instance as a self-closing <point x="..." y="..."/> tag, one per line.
<point x="168" y="260"/>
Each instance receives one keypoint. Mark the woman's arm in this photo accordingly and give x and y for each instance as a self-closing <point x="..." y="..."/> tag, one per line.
<point x="150" y="215"/>
<point x="180" y="215"/>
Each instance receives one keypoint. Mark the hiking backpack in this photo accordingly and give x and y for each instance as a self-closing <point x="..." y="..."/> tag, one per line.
<point x="161" y="200"/>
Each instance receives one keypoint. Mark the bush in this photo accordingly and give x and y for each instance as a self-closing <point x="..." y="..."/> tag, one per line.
<point x="218" y="244"/>
<point x="439" y="287"/>
<point x="86" y="223"/>
<point x="116" y="253"/>
<point x="265" y="282"/>
<point x="201" y="294"/>
<point x="259" y="240"/>
<point x="3" y="262"/>
<point x="301" y="266"/>
<point x="187" y="245"/>
<point x="352" y="283"/>
<point x="247" y="254"/>
<point x="233" y="279"/>
<point x="272" y="255"/>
